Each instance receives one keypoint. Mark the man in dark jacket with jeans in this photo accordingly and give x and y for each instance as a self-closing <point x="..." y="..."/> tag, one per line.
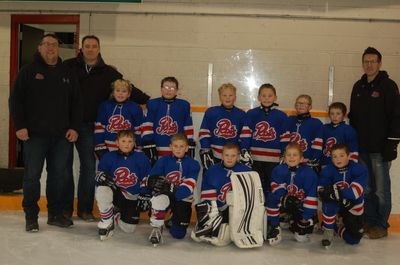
<point x="95" y="79"/>
<point x="375" y="114"/>
<point x="46" y="108"/>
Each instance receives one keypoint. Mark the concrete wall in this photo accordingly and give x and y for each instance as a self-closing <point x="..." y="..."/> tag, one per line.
<point x="291" y="44"/>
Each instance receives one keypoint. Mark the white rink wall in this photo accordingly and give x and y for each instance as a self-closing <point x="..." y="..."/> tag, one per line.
<point x="291" y="44"/>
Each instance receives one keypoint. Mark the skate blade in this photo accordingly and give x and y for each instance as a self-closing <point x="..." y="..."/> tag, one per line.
<point x="105" y="237"/>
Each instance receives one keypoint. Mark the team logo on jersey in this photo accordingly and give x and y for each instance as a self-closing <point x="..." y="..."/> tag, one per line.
<point x="118" y="123"/>
<point x="225" y="129"/>
<point x="375" y="94"/>
<point x="124" y="178"/>
<point x="174" y="178"/>
<point x="224" y="191"/>
<point x="342" y="185"/>
<point x="293" y="190"/>
<point x="296" y="138"/>
<point x="39" y="76"/>
<point x="167" y="126"/>
<point x="328" y="145"/>
<point x="264" y="132"/>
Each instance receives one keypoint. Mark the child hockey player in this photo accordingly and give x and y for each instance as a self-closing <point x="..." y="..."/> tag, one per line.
<point x="305" y="131"/>
<point x="114" y="115"/>
<point x="221" y="124"/>
<point x="166" y="116"/>
<point x="294" y="189"/>
<point x="212" y="212"/>
<point x="262" y="133"/>
<point x="172" y="181"/>
<point x="118" y="185"/>
<point x="340" y="188"/>
<point x="338" y="132"/>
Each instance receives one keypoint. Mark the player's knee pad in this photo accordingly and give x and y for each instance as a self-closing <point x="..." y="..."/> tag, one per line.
<point x="159" y="202"/>
<point x="104" y="197"/>
<point x="181" y="213"/>
<point x="126" y="227"/>
<point x="177" y="231"/>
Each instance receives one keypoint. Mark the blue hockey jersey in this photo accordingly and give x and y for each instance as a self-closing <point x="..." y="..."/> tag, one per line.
<point x="219" y="126"/>
<point x="182" y="173"/>
<point x="217" y="182"/>
<point x="164" y="119"/>
<point x="113" y="117"/>
<point x="261" y="134"/>
<point x="351" y="182"/>
<point x="128" y="171"/>
<point x="307" y="133"/>
<point x="302" y="184"/>
<point x="341" y="133"/>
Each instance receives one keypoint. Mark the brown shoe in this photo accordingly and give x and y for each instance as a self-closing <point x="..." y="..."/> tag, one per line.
<point x="88" y="217"/>
<point x="366" y="228"/>
<point x="67" y="214"/>
<point x="377" y="232"/>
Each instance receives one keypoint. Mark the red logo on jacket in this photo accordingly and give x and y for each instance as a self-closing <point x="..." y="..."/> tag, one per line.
<point x="224" y="191"/>
<point x="174" y="177"/>
<point x="264" y="132"/>
<point x="225" y="129"/>
<point x="167" y="126"/>
<point x="293" y="190"/>
<point x="118" y="123"/>
<point x="328" y="145"/>
<point x="296" y="138"/>
<point x="124" y="178"/>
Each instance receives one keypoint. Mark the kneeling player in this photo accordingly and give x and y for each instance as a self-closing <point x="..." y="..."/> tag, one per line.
<point x="118" y="185"/>
<point x="341" y="189"/>
<point x="212" y="212"/>
<point x="293" y="189"/>
<point x="172" y="181"/>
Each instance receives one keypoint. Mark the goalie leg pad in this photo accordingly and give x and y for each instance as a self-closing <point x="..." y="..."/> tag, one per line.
<point x="159" y="205"/>
<point x="127" y="228"/>
<point x="208" y="219"/>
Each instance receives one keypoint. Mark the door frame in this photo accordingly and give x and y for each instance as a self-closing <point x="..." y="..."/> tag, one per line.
<point x="16" y="20"/>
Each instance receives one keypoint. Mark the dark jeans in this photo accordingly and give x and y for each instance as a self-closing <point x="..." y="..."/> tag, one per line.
<point x="55" y="151"/>
<point x="87" y="171"/>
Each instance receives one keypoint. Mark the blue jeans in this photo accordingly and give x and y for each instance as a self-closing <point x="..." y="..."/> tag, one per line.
<point x="55" y="151"/>
<point x="87" y="171"/>
<point x="378" y="197"/>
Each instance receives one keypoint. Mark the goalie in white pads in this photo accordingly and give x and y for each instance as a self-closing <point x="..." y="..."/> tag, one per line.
<point x="118" y="185"/>
<point x="294" y="190"/>
<point x="212" y="213"/>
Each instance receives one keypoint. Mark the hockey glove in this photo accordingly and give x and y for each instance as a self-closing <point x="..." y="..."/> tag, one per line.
<point x="143" y="203"/>
<point x="245" y="158"/>
<point x="315" y="165"/>
<point x="159" y="185"/>
<point x="390" y="150"/>
<point x="207" y="158"/>
<point x="192" y="148"/>
<point x="99" y="151"/>
<point x="150" y="150"/>
<point x="104" y="179"/>
<point x="291" y="204"/>
<point x="330" y="193"/>
<point x="304" y="227"/>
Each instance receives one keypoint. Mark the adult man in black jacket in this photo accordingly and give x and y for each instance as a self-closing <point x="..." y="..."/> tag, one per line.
<point x="375" y="114"/>
<point x="95" y="79"/>
<point x="46" y="108"/>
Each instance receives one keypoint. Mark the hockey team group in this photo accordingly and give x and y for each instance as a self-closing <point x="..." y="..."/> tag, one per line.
<point x="260" y="170"/>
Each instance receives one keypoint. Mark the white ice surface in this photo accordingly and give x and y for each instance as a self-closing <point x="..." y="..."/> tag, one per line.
<point x="81" y="245"/>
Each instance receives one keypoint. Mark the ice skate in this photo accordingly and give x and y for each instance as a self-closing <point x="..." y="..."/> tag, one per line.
<point x="327" y="238"/>
<point x="106" y="230"/>
<point x="156" y="237"/>
<point x="274" y="235"/>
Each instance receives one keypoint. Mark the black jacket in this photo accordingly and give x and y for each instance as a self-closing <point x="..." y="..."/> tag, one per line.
<point x="96" y="85"/>
<point x="46" y="99"/>
<point x="375" y="112"/>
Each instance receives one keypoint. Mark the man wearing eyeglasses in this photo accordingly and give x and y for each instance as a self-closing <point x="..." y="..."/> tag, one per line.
<point x="46" y="108"/>
<point x="95" y="78"/>
<point x="375" y="114"/>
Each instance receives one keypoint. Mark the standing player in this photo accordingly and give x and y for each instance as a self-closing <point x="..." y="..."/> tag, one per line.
<point x="172" y="181"/>
<point x="118" y="185"/>
<point x="212" y="213"/>
<point x="293" y="189"/>
<point x="166" y="116"/>
<point x="221" y="124"/>
<point x="306" y="132"/>
<point x="262" y="133"/>
<point x="114" y="115"/>
<point x="341" y="189"/>
<point x="338" y="132"/>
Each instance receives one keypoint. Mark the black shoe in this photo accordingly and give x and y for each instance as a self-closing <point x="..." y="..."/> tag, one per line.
<point x="67" y="214"/>
<point x="31" y="225"/>
<point x="59" y="220"/>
